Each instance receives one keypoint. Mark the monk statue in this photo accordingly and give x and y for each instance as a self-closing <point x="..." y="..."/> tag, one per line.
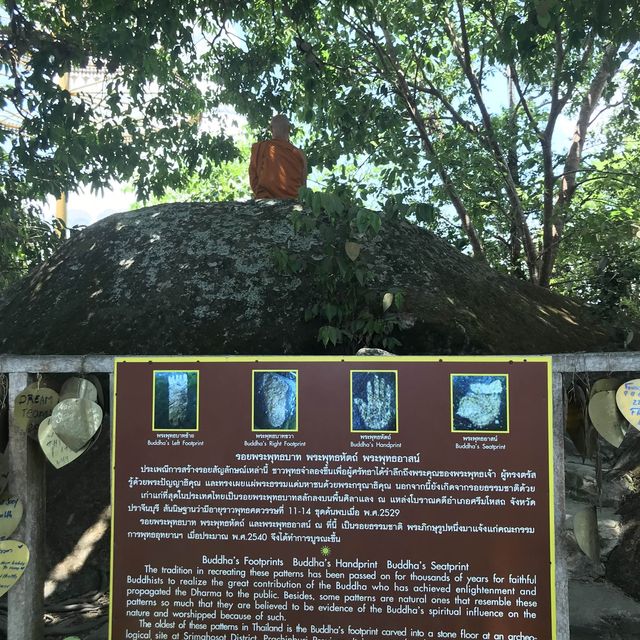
<point x="277" y="169"/>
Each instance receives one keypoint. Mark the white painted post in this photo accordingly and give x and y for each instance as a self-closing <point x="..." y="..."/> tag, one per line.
<point x="27" y="481"/>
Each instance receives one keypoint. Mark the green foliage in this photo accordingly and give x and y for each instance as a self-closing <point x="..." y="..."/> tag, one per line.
<point x="455" y="103"/>
<point x="143" y="127"/>
<point x="346" y="299"/>
<point x="25" y="241"/>
<point x="419" y="91"/>
<point x="602" y="259"/>
<point x="216" y="182"/>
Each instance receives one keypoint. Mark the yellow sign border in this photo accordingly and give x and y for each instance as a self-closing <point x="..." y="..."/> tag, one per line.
<point x="481" y="375"/>
<point x="253" y="400"/>
<point x="389" y="360"/>
<point x="153" y="402"/>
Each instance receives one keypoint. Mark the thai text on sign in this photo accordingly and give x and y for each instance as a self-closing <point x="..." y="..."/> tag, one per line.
<point x="319" y="498"/>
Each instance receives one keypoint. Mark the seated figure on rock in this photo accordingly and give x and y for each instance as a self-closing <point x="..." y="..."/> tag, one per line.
<point x="277" y="169"/>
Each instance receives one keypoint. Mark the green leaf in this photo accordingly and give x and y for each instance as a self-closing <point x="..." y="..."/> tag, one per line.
<point x="328" y="334"/>
<point x="375" y="221"/>
<point x="362" y="220"/>
<point x="390" y="343"/>
<point x="342" y="266"/>
<point x="425" y="212"/>
<point x="361" y="276"/>
<point x="330" y="311"/>
<point x="281" y="258"/>
<point x="331" y="203"/>
<point x="316" y="203"/>
<point x="304" y="195"/>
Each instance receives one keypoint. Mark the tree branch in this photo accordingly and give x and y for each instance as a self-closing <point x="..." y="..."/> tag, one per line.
<point x="404" y="91"/>
<point x="606" y="108"/>
<point x="555" y="217"/>
<point x="606" y="70"/>
<point x="432" y="90"/>
<point x="463" y="54"/>
<point x="557" y="68"/>
<point x="515" y="78"/>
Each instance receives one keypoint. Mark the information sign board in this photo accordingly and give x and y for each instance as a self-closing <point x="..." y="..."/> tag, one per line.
<point x="332" y="497"/>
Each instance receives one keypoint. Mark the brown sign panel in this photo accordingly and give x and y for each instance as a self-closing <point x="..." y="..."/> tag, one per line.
<point x="321" y="498"/>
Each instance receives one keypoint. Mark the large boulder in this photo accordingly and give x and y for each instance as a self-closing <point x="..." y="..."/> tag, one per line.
<point x="200" y="278"/>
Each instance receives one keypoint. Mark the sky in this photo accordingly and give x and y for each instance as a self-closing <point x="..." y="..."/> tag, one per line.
<point x="85" y="208"/>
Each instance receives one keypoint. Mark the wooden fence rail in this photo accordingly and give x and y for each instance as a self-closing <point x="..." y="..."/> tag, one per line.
<point x="27" y="474"/>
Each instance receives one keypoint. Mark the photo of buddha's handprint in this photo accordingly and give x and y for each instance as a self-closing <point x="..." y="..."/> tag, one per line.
<point x="373" y="401"/>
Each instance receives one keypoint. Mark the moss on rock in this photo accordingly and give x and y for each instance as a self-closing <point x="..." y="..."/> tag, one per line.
<point x="198" y="278"/>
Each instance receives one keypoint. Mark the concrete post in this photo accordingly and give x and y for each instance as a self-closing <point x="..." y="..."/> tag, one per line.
<point x="27" y="481"/>
<point x="562" y="581"/>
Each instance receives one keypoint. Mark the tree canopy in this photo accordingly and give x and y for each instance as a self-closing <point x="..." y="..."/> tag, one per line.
<point x="143" y="124"/>
<point x="460" y="107"/>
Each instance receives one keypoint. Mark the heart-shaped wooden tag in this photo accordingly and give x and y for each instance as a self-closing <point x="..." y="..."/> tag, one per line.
<point x="75" y="421"/>
<point x="605" y="384"/>
<point x="628" y="399"/>
<point x="94" y="380"/>
<point x="14" y="557"/>
<point x="606" y="418"/>
<point x="32" y="406"/>
<point x="585" y="527"/>
<point x="10" y="515"/>
<point x="78" y="388"/>
<point x="54" y="449"/>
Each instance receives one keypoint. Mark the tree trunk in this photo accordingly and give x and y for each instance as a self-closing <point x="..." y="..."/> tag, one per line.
<point x="555" y="217"/>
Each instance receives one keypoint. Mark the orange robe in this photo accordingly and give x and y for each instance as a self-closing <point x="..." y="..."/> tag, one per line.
<point x="277" y="169"/>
